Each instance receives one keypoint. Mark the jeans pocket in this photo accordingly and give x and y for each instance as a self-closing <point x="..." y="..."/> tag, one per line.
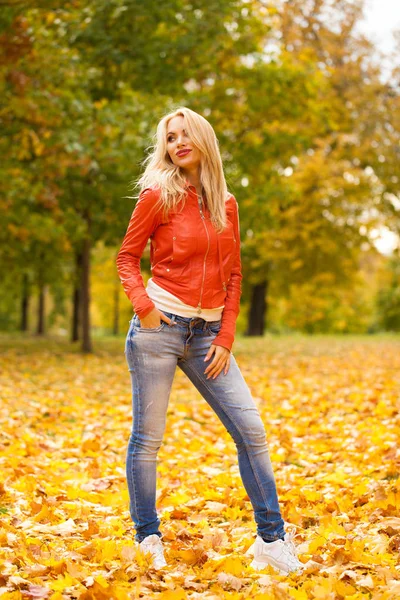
<point x="138" y="327"/>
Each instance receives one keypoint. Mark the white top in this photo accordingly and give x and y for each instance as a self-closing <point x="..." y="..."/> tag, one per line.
<point x="166" y="301"/>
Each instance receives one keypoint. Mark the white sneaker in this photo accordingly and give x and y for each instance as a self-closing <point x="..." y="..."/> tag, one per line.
<point x="153" y="544"/>
<point x="280" y="554"/>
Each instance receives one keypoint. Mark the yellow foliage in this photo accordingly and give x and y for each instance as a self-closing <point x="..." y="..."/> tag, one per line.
<point x="345" y="589"/>
<point x="106" y="550"/>
<point x="299" y="594"/>
<point x="100" y="579"/>
<point x="173" y="595"/>
<point x="178" y="498"/>
<point x="231" y="565"/>
<point x="62" y="582"/>
<point x="331" y="414"/>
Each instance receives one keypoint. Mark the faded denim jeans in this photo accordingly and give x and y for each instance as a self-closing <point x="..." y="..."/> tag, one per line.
<point x="152" y="356"/>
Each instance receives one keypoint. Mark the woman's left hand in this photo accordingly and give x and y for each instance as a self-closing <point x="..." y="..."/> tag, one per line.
<point x="221" y="360"/>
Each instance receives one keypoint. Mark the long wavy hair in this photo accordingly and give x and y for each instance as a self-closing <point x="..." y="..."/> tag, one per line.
<point x="162" y="173"/>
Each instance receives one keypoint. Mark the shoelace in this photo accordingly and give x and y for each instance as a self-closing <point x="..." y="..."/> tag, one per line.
<point x="288" y="549"/>
<point x="289" y="546"/>
<point x="290" y="552"/>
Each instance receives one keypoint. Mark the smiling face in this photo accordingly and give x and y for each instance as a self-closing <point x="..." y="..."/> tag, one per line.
<point x="180" y="148"/>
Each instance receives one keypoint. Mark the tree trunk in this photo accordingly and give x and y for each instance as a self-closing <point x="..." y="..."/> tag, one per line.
<point x="86" y="339"/>
<point x="258" y="308"/>
<point x="76" y="305"/>
<point x="25" y="302"/>
<point x="117" y="286"/>
<point x="41" y="310"/>
<point x="77" y="298"/>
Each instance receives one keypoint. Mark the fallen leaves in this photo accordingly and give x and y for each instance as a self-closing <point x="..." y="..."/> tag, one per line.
<point x="331" y="412"/>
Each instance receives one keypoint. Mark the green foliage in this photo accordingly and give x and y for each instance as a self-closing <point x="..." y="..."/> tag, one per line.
<point x="308" y="132"/>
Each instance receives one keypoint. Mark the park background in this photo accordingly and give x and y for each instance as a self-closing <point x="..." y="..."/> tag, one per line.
<point x="307" y="114"/>
<point x="306" y="110"/>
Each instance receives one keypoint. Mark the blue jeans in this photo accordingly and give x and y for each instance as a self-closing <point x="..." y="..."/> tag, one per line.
<point x="152" y="356"/>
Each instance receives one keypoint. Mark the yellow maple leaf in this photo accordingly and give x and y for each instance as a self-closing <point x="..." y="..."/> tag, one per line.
<point x="316" y="543"/>
<point x="178" y="498"/>
<point x="106" y="550"/>
<point x="173" y="595"/>
<point x="344" y="588"/>
<point x="62" y="582"/>
<point x="299" y="594"/>
<point x="231" y="565"/>
<point x="101" y="580"/>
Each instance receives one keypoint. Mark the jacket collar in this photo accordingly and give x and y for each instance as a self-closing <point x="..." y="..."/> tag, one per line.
<point x="189" y="186"/>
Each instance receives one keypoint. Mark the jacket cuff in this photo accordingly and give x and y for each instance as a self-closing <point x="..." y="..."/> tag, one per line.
<point x="224" y="340"/>
<point x="143" y="312"/>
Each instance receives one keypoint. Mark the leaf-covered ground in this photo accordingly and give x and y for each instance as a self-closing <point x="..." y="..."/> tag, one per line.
<point x="331" y="412"/>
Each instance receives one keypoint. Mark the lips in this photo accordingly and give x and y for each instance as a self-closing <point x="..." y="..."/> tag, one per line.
<point x="183" y="152"/>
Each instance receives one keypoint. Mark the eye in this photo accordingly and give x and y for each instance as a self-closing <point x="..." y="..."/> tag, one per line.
<point x="169" y="139"/>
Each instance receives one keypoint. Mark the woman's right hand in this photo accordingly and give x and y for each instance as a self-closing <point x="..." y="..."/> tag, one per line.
<point x="153" y="319"/>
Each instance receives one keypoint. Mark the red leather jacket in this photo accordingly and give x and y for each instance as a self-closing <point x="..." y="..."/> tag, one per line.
<point x="188" y="258"/>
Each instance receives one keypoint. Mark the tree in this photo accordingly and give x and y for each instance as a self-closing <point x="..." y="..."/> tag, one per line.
<point x="319" y="200"/>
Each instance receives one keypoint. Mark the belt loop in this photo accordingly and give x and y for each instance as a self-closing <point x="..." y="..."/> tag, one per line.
<point x="172" y="320"/>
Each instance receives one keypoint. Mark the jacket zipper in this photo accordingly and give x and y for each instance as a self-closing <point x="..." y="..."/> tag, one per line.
<point x="205" y="257"/>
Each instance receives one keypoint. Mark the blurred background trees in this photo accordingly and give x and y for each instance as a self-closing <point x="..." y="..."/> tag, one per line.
<point x="309" y="134"/>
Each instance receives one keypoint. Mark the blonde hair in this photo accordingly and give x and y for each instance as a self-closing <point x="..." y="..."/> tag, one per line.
<point x="162" y="173"/>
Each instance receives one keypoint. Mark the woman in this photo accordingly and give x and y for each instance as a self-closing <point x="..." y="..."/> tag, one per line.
<point x="186" y="316"/>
